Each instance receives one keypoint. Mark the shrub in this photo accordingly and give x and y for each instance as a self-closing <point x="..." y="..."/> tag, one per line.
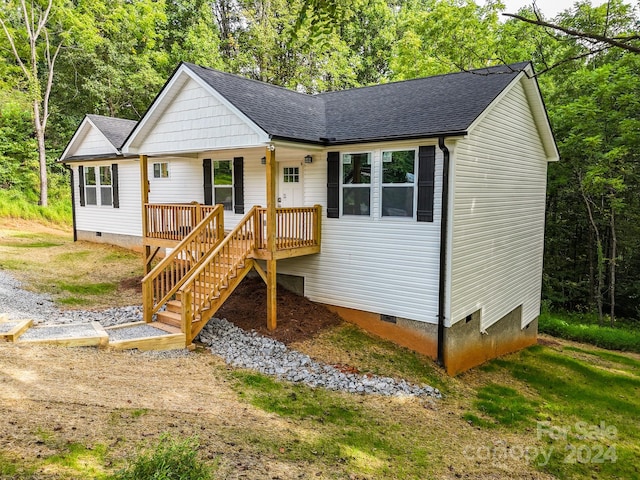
<point x="168" y="460"/>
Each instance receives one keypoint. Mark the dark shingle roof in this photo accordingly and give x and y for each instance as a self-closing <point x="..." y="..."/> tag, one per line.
<point x="115" y="129"/>
<point x="424" y="107"/>
<point x="278" y="111"/>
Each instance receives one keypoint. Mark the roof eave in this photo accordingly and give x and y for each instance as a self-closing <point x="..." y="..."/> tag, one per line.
<point x="94" y="158"/>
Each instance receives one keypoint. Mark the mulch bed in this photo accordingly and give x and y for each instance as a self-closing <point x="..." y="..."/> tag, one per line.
<point x="298" y="317"/>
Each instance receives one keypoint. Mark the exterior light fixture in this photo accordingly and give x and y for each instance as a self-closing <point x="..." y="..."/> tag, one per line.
<point x="308" y="159"/>
<point x="263" y="160"/>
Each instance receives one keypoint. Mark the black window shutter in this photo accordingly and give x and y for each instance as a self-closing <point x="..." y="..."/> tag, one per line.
<point x="208" y="177"/>
<point x="426" y="175"/>
<point x="81" y="184"/>
<point x="333" y="184"/>
<point x="238" y="184"/>
<point x="114" y="185"/>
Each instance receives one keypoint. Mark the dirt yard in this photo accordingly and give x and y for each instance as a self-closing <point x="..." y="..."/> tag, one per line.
<point x="298" y="317"/>
<point x="77" y="413"/>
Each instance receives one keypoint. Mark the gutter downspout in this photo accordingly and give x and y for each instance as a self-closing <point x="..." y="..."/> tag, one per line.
<point x="444" y="220"/>
<point x="73" y="202"/>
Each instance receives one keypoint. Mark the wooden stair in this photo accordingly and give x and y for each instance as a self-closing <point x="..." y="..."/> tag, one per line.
<point x="195" y="296"/>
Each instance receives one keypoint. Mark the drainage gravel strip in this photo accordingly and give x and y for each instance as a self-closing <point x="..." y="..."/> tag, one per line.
<point x="268" y="356"/>
<point x="237" y="347"/>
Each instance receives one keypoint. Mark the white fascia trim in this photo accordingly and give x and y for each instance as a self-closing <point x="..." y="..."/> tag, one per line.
<point x="157" y="104"/>
<point x="81" y="133"/>
<point x="177" y="81"/>
<point x="196" y="152"/>
<point x="534" y="97"/>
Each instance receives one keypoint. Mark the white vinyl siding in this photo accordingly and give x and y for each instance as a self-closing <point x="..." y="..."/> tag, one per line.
<point x="380" y="265"/>
<point x="195" y="120"/>
<point x="125" y="220"/>
<point x="184" y="185"/>
<point x="498" y="215"/>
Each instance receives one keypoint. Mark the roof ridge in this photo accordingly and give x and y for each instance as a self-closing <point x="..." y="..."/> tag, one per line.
<point x="110" y="118"/>
<point x="417" y="79"/>
<point x="260" y="82"/>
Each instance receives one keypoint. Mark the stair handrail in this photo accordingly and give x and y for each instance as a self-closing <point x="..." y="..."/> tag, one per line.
<point x="154" y="293"/>
<point x="243" y="236"/>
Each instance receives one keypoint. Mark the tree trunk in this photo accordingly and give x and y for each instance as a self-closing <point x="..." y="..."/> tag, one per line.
<point x="600" y="258"/>
<point x="42" y="155"/>
<point x="592" y="276"/>
<point x="612" y="268"/>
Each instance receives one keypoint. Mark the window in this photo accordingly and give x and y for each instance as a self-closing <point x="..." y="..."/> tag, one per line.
<point x="161" y="170"/>
<point x="98" y="186"/>
<point x="223" y="183"/>
<point x="291" y="174"/>
<point x="356" y="184"/>
<point x="398" y="183"/>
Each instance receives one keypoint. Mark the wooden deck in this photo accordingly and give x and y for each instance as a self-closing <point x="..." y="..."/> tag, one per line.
<point x="207" y="263"/>
<point x="298" y="228"/>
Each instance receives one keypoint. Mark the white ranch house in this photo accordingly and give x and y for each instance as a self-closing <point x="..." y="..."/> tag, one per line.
<point x="414" y="209"/>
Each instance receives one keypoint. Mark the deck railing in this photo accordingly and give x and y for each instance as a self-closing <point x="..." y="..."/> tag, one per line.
<point x="219" y="268"/>
<point x="168" y="276"/>
<point x="296" y="227"/>
<point x="173" y="221"/>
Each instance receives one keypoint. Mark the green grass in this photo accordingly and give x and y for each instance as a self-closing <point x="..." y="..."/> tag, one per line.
<point x="81" y="460"/>
<point x="345" y="432"/>
<point x="15" y="204"/>
<point x="12" y="264"/>
<point x="581" y="329"/>
<point x="502" y="406"/>
<point x="633" y="365"/>
<point x="574" y="396"/>
<point x="382" y="357"/>
<point x="88" y="288"/>
<point x="169" y="459"/>
<point x="15" y="469"/>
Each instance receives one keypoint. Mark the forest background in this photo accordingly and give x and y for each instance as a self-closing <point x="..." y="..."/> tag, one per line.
<point x="61" y="59"/>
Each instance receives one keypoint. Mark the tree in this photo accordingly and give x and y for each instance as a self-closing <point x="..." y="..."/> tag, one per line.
<point x="597" y="120"/>
<point x="591" y="30"/>
<point x="27" y="24"/>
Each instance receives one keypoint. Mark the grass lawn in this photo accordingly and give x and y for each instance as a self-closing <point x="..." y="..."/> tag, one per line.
<point x="76" y="275"/>
<point x="559" y="409"/>
<point x="584" y="328"/>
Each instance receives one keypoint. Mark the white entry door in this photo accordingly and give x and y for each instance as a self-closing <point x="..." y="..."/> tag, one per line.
<point x="290" y="185"/>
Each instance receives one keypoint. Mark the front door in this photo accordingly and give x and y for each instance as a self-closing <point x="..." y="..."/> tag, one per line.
<point x="290" y="186"/>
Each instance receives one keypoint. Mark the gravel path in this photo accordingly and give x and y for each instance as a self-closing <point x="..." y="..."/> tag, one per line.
<point x="60" y="331"/>
<point x="237" y="347"/>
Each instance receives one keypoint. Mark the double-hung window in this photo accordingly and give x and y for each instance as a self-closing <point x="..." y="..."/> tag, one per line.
<point x="98" y="186"/>
<point x="398" y="183"/>
<point x="223" y="183"/>
<point x="356" y="184"/>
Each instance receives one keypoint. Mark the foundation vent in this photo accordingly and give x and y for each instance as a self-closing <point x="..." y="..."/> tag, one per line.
<point x="388" y="318"/>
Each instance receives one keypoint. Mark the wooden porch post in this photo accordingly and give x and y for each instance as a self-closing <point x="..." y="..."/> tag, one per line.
<point x="272" y="173"/>
<point x="144" y="197"/>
